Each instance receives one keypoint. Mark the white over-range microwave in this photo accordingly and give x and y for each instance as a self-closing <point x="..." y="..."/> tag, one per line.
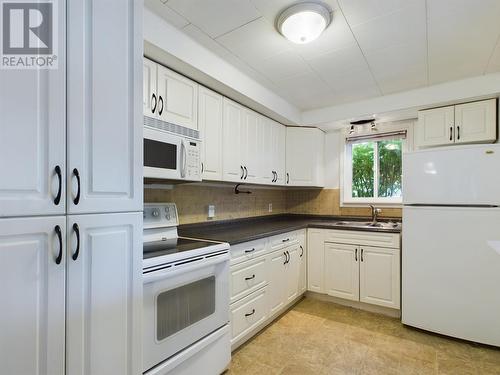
<point x="171" y="152"/>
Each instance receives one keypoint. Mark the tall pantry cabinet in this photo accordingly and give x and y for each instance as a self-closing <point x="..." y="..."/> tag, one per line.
<point x="71" y="199"/>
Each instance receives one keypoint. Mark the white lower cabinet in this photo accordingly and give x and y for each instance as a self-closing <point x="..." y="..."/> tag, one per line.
<point x="32" y="285"/>
<point x="341" y="273"/>
<point x="267" y="276"/>
<point x="104" y="294"/>
<point x="357" y="266"/>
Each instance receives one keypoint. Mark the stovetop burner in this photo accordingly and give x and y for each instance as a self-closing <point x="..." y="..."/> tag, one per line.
<point x="172" y="246"/>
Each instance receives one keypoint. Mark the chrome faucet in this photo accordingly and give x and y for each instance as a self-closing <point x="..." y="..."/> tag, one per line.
<point x="375" y="212"/>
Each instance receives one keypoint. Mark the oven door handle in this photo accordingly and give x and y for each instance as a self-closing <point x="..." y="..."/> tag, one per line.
<point x="169" y="272"/>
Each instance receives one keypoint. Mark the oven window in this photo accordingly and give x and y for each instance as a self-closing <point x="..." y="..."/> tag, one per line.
<point x="160" y="154"/>
<point x="181" y="307"/>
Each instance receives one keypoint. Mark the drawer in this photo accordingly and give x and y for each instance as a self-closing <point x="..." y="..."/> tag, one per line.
<point x="363" y="238"/>
<point x="248" y="250"/>
<point x="284" y="239"/>
<point x="248" y="313"/>
<point x="247" y="277"/>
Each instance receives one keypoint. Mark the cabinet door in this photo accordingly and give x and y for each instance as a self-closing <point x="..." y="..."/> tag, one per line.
<point x="303" y="263"/>
<point x="104" y="294"/>
<point x="379" y="276"/>
<point x="342" y="271"/>
<point x="149" y="89"/>
<point x="32" y="290"/>
<point x="251" y="145"/>
<point x="315" y="260"/>
<point x="210" y="126"/>
<point x="33" y="136"/>
<point x="280" y="152"/>
<point x="277" y="281"/>
<point x="304" y="157"/>
<point x="177" y="99"/>
<point x="292" y="272"/>
<point x="476" y="122"/>
<point x="268" y="151"/>
<point x="104" y="111"/>
<point x="436" y="127"/>
<point x="232" y="127"/>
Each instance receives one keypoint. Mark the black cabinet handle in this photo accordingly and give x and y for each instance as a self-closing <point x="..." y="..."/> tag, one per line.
<point x="451" y="133"/>
<point x="288" y="254"/>
<point x="242" y="172"/>
<point x="250" y="278"/>
<point x="202" y="167"/>
<point x="286" y="258"/>
<point x="250" y="250"/>
<point x="250" y="314"/>
<point x="285" y="240"/>
<point x="77" y="175"/>
<point x="287" y="178"/>
<point x="356" y="255"/>
<point x="57" y="199"/>
<point x="153" y="108"/>
<point x="246" y="173"/>
<point x="301" y="251"/>
<point x="458" y="132"/>
<point x="275" y="176"/>
<point x="362" y="255"/>
<point x="57" y="229"/>
<point x="160" y="110"/>
<point x="77" y="232"/>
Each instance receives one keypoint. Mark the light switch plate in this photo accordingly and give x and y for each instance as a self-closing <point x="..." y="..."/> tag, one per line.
<point x="211" y="210"/>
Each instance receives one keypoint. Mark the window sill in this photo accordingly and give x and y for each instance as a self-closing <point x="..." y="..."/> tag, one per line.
<point x="378" y="203"/>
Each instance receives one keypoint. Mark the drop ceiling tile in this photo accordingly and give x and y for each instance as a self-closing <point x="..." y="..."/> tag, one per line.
<point x="358" y="79"/>
<point x="159" y="8"/>
<point x="256" y="41"/>
<point x="337" y="36"/>
<point x="303" y="86"/>
<point x="216" y="17"/>
<point x="338" y="61"/>
<point x="462" y="35"/>
<point x="272" y="8"/>
<point x="361" y="11"/>
<point x="408" y="23"/>
<point x="281" y="66"/>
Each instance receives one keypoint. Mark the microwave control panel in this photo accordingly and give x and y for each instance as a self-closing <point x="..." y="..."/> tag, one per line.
<point x="193" y="161"/>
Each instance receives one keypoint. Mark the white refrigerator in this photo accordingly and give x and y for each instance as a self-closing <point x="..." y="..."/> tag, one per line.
<point x="451" y="242"/>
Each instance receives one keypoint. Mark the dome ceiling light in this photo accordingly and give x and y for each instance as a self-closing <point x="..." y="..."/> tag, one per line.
<point x="304" y="22"/>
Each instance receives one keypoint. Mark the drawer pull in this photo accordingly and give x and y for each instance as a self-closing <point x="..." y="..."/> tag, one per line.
<point x="301" y="251"/>
<point x="285" y="240"/>
<point x="250" y="250"/>
<point x="250" y="314"/>
<point x="250" y="278"/>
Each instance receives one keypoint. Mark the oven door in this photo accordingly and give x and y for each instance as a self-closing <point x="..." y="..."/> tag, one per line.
<point x="182" y="304"/>
<point x="164" y="155"/>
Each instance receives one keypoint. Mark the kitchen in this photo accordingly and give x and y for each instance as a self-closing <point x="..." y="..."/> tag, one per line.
<point x="309" y="187"/>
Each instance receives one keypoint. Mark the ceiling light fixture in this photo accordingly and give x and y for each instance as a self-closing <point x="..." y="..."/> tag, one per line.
<point x="302" y="23"/>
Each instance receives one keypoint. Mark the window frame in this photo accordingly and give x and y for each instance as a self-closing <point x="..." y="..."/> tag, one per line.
<point x="346" y="198"/>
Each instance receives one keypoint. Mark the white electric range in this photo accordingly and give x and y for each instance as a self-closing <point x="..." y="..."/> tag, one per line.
<point x="186" y="298"/>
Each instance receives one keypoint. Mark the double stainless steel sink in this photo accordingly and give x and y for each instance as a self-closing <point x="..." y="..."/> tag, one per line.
<point x="369" y="224"/>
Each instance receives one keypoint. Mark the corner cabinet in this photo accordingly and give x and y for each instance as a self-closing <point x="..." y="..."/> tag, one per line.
<point x="304" y="157"/>
<point x="474" y="122"/>
<point x="210" y="127"/>
<point x="104" y="118"/>
<point x="355" y="265"/>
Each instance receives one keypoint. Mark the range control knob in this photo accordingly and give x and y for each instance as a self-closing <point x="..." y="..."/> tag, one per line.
<point x="155" y="213"/>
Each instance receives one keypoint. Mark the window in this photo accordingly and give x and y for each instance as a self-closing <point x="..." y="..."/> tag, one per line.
<point x="373" y="168"/>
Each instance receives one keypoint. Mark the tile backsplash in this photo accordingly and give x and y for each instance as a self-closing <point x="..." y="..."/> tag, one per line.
<point x="193" y="200"/>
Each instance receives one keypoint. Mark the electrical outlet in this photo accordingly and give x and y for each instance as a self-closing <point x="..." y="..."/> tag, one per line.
<point x="270" y="207"/>
<point x="211" y="210"/>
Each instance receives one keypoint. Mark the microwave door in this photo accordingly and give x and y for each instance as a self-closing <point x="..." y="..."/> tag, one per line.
<point x="162" y="155"/>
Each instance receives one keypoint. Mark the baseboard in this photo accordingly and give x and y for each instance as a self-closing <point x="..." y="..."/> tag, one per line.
<point x="393" y="313"/>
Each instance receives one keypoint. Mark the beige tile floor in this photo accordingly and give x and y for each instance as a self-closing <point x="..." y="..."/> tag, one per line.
<point x="323" y="338"/>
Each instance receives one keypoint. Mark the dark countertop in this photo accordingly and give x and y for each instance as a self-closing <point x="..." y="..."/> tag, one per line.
<point x="243" y="230"/>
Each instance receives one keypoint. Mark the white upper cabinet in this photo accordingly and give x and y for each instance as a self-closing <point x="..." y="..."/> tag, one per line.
<point x="32" y="286"/>
<point x="251" y="146"/>
<point x="474" y="122"/>
<point x="436" y="127"/>
<point x="33" y="136"/>
<point x="304" y="157"/>
<point x="149" y="88"/>
<point x="177" y="99"/>
<point x="104" y="294"/>
<point x="104" y="156"/>
<point x="233" y="131"/>
<point x="273" y="152"/>
<point x="210" y="127"/>
<point x="279" y="146"/>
